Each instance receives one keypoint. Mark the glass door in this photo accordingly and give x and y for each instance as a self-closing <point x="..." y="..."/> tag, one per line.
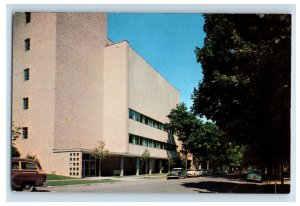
<point x="89" y="165"/>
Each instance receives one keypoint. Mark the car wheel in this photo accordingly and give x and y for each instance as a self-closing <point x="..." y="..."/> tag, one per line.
<point x="28" y="187"/>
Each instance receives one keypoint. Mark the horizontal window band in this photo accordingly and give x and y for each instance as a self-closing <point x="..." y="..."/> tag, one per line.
<point x="147" y="142"/>
<point x="136" y="116"/>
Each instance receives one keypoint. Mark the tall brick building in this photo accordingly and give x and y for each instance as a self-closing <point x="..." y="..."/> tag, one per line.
<point x="73" y="87"/>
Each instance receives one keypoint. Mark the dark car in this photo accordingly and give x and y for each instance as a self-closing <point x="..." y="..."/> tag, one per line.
<point x="176" y="173"/>
<point x="254" y="175"/>
<point x="26" y="174"/>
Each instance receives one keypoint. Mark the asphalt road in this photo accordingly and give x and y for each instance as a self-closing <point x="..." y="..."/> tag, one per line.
<point x="189" y="185"/>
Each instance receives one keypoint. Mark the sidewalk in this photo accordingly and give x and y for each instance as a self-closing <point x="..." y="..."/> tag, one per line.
<point x="129" y="177"/>
<point x="278" y="182"/>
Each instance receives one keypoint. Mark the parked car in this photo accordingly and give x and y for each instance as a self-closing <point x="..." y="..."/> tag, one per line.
<point x="176" y="173"/>
<point x="200" y="172"/>
<point x="254" y="175"/>
<point x="224" y="172"/>
<point x="191" y="173"/>
<point x="207" y="173"/>
<point x="26" y="174"/>
<point x="220" y="172"/>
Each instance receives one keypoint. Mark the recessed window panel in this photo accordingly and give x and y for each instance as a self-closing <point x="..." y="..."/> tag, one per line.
<point x="25" y="132"/>
<point x="27" y="44"/>
<point x="27" y="17"/>
<point x="26" y="74"/>
<point x="25" y="103"/>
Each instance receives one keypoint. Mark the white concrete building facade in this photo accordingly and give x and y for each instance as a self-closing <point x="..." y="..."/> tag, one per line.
<point x="72" y="87"/>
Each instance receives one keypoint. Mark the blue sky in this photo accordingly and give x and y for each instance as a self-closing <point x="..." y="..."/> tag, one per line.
<point x="167" y="42"/>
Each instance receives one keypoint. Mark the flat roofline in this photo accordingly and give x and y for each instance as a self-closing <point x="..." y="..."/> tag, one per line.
<point x="117" y="43"/>
<point x="111" y="153"/>
<point x="110" y="40"/>
<point x="145" y="61"/>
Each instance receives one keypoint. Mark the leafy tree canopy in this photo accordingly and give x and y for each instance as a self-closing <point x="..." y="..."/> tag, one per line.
<point x="101" y="153"/>
<point x="15" y="133"/>
<point x="204" y="140"/>
<point x="246" y="62"/>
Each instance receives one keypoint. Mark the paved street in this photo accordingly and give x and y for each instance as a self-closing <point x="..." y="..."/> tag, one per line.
<point x="161" y="185"/>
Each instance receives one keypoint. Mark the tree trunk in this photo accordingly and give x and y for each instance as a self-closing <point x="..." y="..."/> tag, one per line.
<point x="281" y="171"/>
<point x="100" y="162"/>
<point x="146" y="168"/>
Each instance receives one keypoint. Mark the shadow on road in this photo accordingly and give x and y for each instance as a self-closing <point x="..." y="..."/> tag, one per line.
<point x="240" y="187"/>
<point x="222" y="187"/>
<point x="42" y="191"/>
<point x="35" y="190"/>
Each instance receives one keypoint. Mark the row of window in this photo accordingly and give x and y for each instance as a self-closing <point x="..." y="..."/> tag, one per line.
<point x="27" y="20"/>
<point x="143" y="141"/>
<point x="24" y="166"/>
<point x="74" y="164"/>
<point x="26" y="99"/>
<point x="74" y="174"/>
<point x="26" y="75"/>
<point x="134" y="115"/>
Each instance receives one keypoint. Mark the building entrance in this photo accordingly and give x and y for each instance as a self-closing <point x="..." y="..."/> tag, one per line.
<point x="89" y="166"/>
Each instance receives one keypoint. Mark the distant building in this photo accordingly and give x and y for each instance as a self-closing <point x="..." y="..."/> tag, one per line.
<point x="73" y="87"/>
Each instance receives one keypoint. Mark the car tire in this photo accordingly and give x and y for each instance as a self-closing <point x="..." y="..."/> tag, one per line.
<point x="28" y="187"/>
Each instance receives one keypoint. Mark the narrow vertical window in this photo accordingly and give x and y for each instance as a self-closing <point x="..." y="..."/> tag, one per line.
<point x="137" y="116"/>
<point x="142" y="119"/>
<point x="26" y="74"/>
<point x="27" y="17"/>
<point x="26" y="103"/>
<point x="130" y="138"/>
<point x="27" y="44"/>
<point x="130" y="114"/>
<point x="25" y="132"/>
<point x="137" y="140"/>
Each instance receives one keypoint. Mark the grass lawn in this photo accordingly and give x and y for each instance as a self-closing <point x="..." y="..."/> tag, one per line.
<point x="59" y="180"/>
<point x="59" y="177"/>
<point x="77" y="182"/>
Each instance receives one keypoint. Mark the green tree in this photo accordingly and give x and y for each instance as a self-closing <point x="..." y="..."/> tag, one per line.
<point x="196" y="162"/>
<point x="15" y="133"/>
<point x="183" y="161"/>
<point x="246" y="62"/>
<point x="210" y="145"/>
<point x="235" y="155"/>
<point x="181" y="122"/>
<point x="204" y="140"/>
<point x="171" y="162"/>
<point x="145" y="158"/>
<point x="32" y="157"/>
<point x="15" y="152"/>
<point x="101" y="153"/>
